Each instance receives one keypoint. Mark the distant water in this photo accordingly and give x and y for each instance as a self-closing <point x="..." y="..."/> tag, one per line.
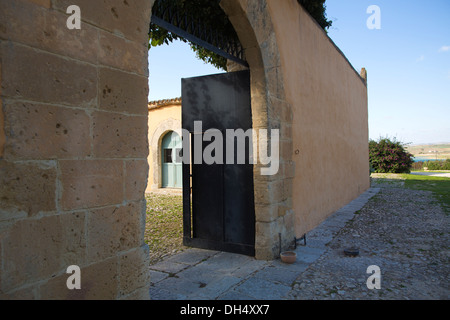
<point x="418" y="159"/>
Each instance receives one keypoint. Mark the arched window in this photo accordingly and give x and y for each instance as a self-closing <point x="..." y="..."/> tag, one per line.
<point x="171" y="170"/>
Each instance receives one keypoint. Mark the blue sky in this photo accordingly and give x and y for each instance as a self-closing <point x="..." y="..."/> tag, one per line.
<point x="407" y="60"/>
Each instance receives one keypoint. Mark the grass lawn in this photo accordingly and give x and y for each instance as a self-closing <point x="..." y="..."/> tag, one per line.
<point x="440" y="186"/>
<point x="164" y="225"/>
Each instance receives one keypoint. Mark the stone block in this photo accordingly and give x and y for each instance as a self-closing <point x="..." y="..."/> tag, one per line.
<point x="129" y="19"/>
<point x="99" y="281"/>
<point x="257" y="15"/>
<point x="280" y="109"/>
<point x="136" y="172"/>
<point x="269" y="193"/>
<point x="262" y="195"/>
<point x="269" y="252"/>
<point x="120" y="53"/>
<point x="36" y="249"/>
<point x="91" y="183"/>
<point x="282" y="210"/>
<point x="123" y="92"/>
<point x="42" y="77"/>
<point x="266" y="213"/>
<point x="27" y="188"/>
<point x="286" y="150"/>
<point x="119" y="136"/>
<point x="42" y="3"/>
<point x="134" y="271"/>
<point x="289" y="169"/>
<point x="262" y="289"/>
<point x="142" y="293"/>
<point x="2" y="117"/>
<point x="266" y="234"/>
<point x="277" y="191"/>
<point x="275" y="87"/>
<point x="280" y="275"/>
<point x="37" y="131"/>
<point x="27" y="293"/>
<point x="270" y="53"/>
<point x="46" y="30"/>
<point x="112" y="230"/>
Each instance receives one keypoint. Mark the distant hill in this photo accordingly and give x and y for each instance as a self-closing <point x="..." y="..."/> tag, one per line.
<point x="431" y="151"/>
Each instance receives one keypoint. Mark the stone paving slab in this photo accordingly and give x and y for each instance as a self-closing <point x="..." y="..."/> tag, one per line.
<point x="262" y="289"/>
<point x="198" y="274"/>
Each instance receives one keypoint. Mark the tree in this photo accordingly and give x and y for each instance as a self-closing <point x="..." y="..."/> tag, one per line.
<point x="212" y="15"/>
<point x="386" y="156"/>
<point x="317" y="10"/>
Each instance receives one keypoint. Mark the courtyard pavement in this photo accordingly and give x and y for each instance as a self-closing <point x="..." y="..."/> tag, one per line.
<point x="197" y="274"/>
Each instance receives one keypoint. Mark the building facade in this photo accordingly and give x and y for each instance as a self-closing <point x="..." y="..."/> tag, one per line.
<point x="74" y="140"/>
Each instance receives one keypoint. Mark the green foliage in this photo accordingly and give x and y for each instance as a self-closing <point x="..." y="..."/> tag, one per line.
<point x="212" y="15"/>
<point x="437" y="165"/>
<point x="317" y="10"/>
<point x="386" y="156"/>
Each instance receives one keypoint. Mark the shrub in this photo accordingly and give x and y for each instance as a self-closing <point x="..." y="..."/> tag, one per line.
<point x="438" y="165"/>
<point x="417" y="165"/>
<point x="386" y="156"/>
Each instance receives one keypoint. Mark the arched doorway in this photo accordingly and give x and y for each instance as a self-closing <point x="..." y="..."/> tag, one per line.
<point x="270" y="110"/>
<point x="171" y="166"/>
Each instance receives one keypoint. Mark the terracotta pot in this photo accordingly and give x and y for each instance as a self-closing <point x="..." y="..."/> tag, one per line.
<point x="288" y="256"/>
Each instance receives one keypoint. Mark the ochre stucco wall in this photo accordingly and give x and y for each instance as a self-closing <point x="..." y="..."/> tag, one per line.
<point x="160" y="121"/>
<point x="330" y="117"/>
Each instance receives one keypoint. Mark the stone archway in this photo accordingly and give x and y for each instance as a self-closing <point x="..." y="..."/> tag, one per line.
<point x="270" y="110"/>
<point x="73" y="144"/>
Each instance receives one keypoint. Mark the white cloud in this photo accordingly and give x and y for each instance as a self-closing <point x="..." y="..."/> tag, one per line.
<point x="421" y="58"/>
<point x="444" y="49"/>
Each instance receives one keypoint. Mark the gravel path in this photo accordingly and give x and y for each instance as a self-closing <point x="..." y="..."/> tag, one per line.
<point x="404" y="232"/>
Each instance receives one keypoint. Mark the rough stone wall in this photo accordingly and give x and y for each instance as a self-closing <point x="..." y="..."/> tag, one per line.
<point x="73" y="149"/>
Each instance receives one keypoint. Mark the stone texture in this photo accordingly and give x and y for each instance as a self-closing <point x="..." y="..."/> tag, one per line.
<point x="222" y="276"/>
<point x="99" y="281"/>
<point x="122" y="92"/>
<point x="52" y="33"/>
<point x="134" y="184"/>
<point x="57" y="185"/>
<point x="119" y="136"/>
<point x="122" y="54"/>
<point x="392" y="231"/>
<point x="59" y="236"/>
<point x="27" y="188"/>
<point x="2" y="117"/>
<point x="134" y="272"/>
<point x="37" y="131"/>
<point x="124" y="18"/>
<point x="91" y="183"/>
<point x="53" y="67"/>
<point x="43" y="77"/>
<point x="43" y="3"/>
<point x="112" y="230"/>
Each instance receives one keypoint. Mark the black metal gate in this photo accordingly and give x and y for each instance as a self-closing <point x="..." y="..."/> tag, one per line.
<point x="218" y="201"/>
